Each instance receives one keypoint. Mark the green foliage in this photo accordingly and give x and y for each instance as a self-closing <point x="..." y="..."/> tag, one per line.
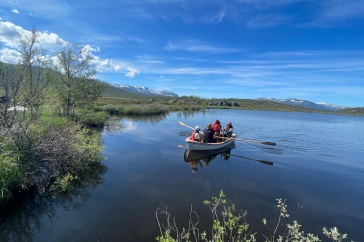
<point x="111" y="109"/>
<point x="47" y="155"/>
<point x="40" y="148"/>
<point x="352" y="111"/>
<point x="75" y="84"/>
<point x="63" y="184"/>
<point x="90" y="118"/>
<point x="227" y="225"/>
<point x="47" y="122"/>
<point x="88" y="145"/>
<point x="9" y="169"/>
<point x="334" y="234"/>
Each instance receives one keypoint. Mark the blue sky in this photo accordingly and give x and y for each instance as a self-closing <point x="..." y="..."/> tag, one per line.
<point x="306" y="49"/>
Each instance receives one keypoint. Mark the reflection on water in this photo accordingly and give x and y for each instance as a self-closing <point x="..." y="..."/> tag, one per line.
<point x="199" y="158"/>
<point x="150" y="118"/>
<point x="20" y="218"/>
<point x="317" y="162"/>
<point x="190" y="114"/>
<point x="113" y="125"/>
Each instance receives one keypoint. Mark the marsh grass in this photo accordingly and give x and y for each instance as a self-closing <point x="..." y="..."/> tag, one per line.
<point x="134" y="109"/>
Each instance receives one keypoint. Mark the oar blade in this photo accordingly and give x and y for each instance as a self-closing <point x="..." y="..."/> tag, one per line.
<point x="265" y="162"/>
<point x="181" y="123"/>
<point x="268" y="143"/>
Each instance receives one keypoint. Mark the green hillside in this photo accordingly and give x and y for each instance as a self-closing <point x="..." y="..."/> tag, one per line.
<point x="117" y="96"/>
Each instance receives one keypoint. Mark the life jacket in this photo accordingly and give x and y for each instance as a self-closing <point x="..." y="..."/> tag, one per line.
<point x="193" y="136"/>
<point x="216" y="127"/>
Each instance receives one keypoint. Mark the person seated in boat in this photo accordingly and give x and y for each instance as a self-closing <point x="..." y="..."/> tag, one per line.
<point x="208" y="134"/>
<point x="216" y="126"/>
<point x="196" y="134"/>
<point x="228" y="130"/>
<point x="194" y="164"/>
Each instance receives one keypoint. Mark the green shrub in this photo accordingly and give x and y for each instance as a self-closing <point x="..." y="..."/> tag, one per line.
<point x="52" y="153"/>
<point x="91" y="118"/>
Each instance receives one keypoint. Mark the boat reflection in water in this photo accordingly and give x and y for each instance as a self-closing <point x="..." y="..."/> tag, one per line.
<point x="201" y="158"/>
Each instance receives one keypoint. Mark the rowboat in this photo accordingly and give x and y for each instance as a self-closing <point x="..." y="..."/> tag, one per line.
<point x="195" y="155"/>
<point x="195" y="145"/>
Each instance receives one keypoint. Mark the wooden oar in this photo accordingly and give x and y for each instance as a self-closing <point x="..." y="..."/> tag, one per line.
<point x="185" y="125"/>
<point x="261" y="161"/>
<point x="249" y="140"/>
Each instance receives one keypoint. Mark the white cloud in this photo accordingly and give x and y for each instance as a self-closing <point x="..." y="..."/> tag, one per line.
<point x="9" y="36"/>
<point x="265" y="21"/>
<point x="132" y="72"/>
<point x="50" y="39"/>
<point x="15" y="11"/>
<point x="198" y="46"/>
<point x="9" y="55"/>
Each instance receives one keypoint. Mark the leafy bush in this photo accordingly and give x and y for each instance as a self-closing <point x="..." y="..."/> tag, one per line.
<point x="91" y="118"/>
<point x="46" y="155"/>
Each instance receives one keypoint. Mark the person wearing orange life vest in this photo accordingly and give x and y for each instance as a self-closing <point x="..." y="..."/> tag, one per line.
<point x="196" y="134"/>
<point x="216" y="126"/>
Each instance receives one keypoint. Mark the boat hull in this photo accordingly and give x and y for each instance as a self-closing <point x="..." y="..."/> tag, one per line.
<point x="193" y="155"/>
<point x="194" y="145"/>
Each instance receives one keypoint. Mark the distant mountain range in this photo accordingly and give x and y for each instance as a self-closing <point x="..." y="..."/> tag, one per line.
<point x="290" y="101"/>
<point x="145" y="91"/>
<point x="305" y="103"/>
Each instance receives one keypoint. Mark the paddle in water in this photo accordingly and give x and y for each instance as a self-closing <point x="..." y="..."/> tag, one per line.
<point x="244" y="140"/>
<point x="249" y="140"/>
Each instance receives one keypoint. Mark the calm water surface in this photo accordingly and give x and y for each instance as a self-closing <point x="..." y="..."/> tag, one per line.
<point x="318" y="166"/>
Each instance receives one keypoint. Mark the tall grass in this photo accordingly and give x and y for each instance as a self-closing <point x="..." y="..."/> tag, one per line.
<point x="9" y="172"/>
<point x="134" y="109"/>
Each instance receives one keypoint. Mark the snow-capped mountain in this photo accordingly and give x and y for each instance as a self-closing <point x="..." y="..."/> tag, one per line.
<point x="305" y="103"/>
<point x="145" y="90"/>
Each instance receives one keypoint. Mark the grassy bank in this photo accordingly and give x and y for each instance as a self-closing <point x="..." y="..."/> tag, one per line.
<point x="51" y="154"/>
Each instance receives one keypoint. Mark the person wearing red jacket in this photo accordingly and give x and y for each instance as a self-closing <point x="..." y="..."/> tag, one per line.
<point x="196" y="134"/>
<point x="216" y="126"/>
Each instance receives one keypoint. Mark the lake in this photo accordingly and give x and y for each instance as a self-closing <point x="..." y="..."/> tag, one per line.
<point x="318" y="168"/>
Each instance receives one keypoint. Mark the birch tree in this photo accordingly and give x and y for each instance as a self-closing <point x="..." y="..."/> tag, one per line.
<point x="76" y="79"/>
